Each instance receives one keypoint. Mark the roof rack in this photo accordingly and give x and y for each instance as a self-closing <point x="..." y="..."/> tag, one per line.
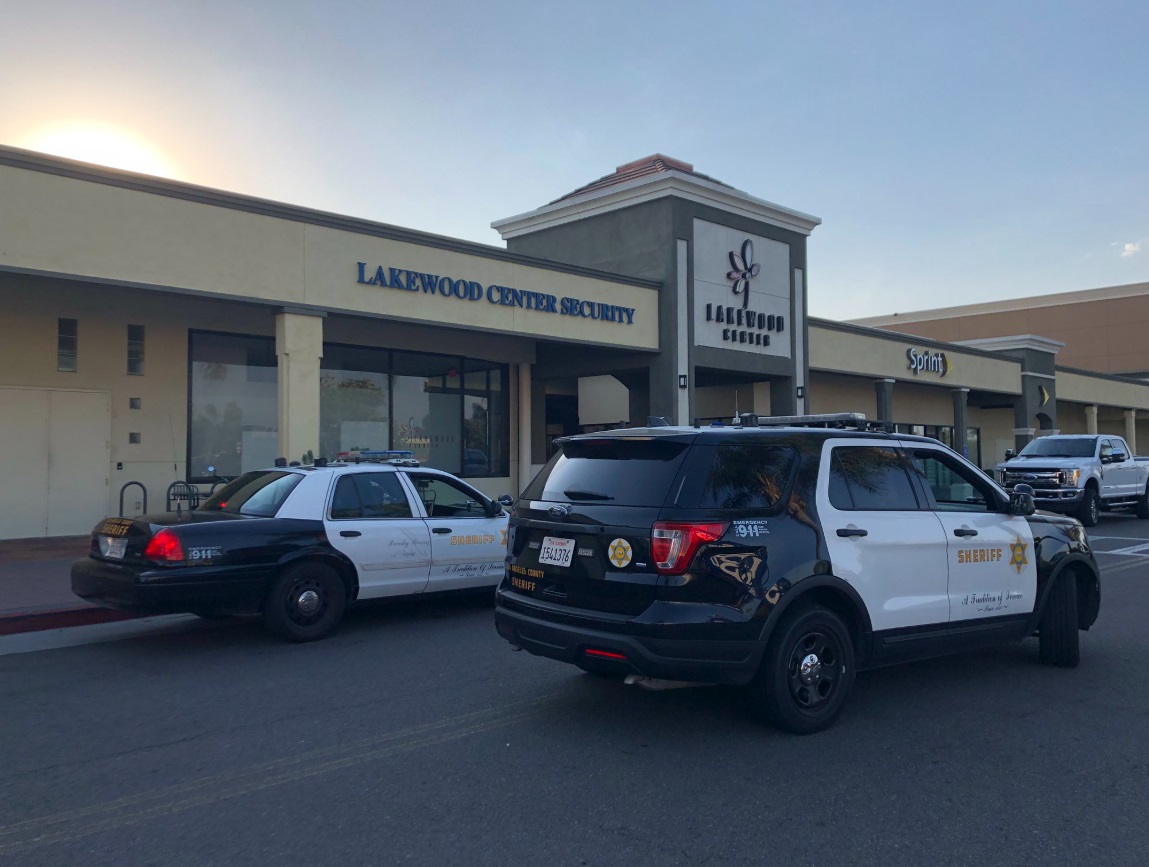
<point x="836" y="420"/>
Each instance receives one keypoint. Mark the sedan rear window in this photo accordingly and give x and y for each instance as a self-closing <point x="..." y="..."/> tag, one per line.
<point x="621" y="471"/>
<point x="259" y="494"/>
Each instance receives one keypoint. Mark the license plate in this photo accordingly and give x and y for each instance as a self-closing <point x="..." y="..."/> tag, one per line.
<point x="113" y="548"/>
<point x="556" y="552"/>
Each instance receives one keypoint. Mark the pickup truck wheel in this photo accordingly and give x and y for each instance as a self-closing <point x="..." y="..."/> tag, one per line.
<point x="1141" y="509"/>
<point x="806" y="672"/>
<point x="1059" y="641"/>
<point x="305" y="602"/>
<point x="1089" y="513"/>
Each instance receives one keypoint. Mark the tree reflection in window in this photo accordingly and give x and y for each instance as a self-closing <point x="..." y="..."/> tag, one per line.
<point x="874" y="479"/>
<point x="747" y="477"/>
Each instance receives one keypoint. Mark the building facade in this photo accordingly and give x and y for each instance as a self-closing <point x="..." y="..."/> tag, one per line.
<point x="157" y="332"/>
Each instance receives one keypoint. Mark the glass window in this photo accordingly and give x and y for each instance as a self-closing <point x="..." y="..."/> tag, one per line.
<point x="67" y="345"/>
<point x="1060" y="447"/>
<point x="736" y="477"/>
<point x="354" y="400"/>
<point x="255" y="494"/>
<point x="135" y="350"/>
<point x="1106" y="450"/>
<point x="369" y="495"/>
<point x="234" y="405"/>
<point x="486" y="424"/>
<point x="427" y="410"/>
<point x="444" y="498"/>
<point x="627" y="472"/>
<point x="955" y="488"/>
<point x="875" y="478"/>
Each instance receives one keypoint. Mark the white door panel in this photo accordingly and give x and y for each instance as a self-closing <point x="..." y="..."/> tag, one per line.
<point x="899" y="566"/>
<point x="993" y="573"/>
<point x="467" y="552"/>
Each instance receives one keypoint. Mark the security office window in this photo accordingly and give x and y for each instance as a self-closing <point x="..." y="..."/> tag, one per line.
<point x="233" y="405"/>
<point x="135" y="350"/>
<point x="67" y="331"/>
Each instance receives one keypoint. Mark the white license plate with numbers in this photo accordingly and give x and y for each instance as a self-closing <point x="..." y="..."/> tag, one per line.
<point x="556" y="552"/>
<point x="112" y="547"/>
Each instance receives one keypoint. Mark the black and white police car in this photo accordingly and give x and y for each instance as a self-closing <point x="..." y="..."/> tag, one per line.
<point x="784" y="558"/>
<point x="297" y="544"/>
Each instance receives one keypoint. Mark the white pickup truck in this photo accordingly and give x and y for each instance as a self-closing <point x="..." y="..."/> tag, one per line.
<point x="1079" y="475"/>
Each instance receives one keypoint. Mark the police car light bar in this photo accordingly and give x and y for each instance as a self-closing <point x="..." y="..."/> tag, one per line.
<point x="399" y="457"/>
<point x="854" y="420"/>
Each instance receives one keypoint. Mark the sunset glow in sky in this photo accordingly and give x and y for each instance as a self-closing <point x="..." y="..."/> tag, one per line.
<point x="955" y="152"/>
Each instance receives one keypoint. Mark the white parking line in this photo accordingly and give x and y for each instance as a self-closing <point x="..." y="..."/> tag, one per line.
<point x="1093" y="538"/>
<point x="1131" y="551"/>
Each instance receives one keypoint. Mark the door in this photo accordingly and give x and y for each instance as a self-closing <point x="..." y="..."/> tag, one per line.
<point x="57" y="443"/>
<point x="991" y="562"/>
<point x="1122" y="472"/>
<point x="468" y="547"/>
<point x="372" y="520"/>
<point x="882" y="539"/>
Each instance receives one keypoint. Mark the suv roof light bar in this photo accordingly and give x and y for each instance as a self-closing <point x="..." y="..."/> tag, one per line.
<point x="841" y="420"/>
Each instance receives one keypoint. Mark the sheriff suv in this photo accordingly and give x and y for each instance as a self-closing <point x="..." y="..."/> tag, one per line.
<point x="783" y="558"/>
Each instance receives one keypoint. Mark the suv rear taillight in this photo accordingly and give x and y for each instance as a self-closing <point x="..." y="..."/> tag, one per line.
<point x="673" y="544"/>
<point x="164" y="547"/>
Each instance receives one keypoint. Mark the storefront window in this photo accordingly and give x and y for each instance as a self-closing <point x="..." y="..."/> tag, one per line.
<point x="233" y="408"/>
<point x="451" y="412"/>
<point x="945" y="435"/>
<point x="354" y="400"/>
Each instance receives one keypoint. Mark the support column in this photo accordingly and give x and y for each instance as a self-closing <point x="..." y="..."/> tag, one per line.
<point x="961" y="408"/>
<point x="1091" y="420"/>
<point x="299" y="347"/>
<point x="1131" y="430"/>
<point x="885" y="393"/>
<point x="524" y="474"/>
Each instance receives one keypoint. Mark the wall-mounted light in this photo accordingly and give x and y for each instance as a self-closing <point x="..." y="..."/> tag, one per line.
<point x="801" y="391"/>
<point x="682" y="380"/>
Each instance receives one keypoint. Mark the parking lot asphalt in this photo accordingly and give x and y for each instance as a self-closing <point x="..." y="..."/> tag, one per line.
<point x="415" y="735"/>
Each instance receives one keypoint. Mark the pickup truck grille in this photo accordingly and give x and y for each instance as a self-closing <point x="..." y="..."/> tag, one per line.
<point x="1036" y="478"/>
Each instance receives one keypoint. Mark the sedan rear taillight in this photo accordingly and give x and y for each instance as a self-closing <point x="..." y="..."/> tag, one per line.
<point x="164" y="547"/>
<point x="673" y="544"/>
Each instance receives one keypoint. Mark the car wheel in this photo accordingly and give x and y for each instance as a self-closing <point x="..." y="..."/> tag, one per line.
<point x="1141" y="509"/>
<point x="1090" y="511"/>
<point x="1059" y="640"/>
<point x="305" y="602"/>
<point x="806" y="672"/>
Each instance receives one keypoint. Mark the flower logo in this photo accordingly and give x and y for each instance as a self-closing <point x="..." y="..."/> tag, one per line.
<point x="745" y="269"/>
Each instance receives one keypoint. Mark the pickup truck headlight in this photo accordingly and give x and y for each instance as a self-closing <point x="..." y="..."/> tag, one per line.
<point x="1001" y="477"/>
<point x="1071" y="477"/>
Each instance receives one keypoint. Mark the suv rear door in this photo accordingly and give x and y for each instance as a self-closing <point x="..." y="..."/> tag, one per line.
<point x="880" y="536"/>
<point x="581" y="536"/>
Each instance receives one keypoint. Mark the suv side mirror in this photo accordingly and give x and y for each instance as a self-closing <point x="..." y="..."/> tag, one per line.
<point x="1021" y="500"/>
<point x="1010" y="453"/>
<point x="506" y="500"/>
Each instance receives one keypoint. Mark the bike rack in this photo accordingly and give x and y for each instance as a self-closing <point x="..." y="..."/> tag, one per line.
<point x="181" y="492"/>
<point x="141" y="487"/>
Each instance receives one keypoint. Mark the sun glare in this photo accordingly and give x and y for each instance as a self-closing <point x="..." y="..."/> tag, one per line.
<point x="105" y="146"/>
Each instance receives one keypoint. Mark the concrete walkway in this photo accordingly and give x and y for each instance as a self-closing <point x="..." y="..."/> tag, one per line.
<point x="36" y="586"/>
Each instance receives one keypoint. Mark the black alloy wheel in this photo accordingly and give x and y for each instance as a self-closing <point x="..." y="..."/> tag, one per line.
<point x="806" y="672"/>
<point x="305" y="602"/>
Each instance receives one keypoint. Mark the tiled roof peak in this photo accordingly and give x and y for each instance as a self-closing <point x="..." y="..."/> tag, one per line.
<point x="651" y="165"/>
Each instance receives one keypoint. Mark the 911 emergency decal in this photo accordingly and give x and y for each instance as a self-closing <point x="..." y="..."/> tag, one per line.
<point x="621" y="553"/>
<point x="750" y="529"/>
<point x="205" y="553"/>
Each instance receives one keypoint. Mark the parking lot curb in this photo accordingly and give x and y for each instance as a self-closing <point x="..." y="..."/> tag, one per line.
<point x="19" y="620"/>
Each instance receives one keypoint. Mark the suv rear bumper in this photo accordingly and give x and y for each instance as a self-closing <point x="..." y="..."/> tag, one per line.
<point x="732" y="663"/>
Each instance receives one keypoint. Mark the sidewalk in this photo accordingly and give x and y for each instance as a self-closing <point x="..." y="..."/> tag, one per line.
<point x="36" y="586"/>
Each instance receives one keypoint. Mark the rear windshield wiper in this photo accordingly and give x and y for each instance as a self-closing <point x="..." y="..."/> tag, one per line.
<point x="574" y="494"/>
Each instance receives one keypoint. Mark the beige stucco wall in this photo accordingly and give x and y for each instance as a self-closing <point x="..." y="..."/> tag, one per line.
<point x="81" y="228"/>
<point x="833" y="393"/>
<point x="875" y="356"/>
<point x="1085" y="389"/>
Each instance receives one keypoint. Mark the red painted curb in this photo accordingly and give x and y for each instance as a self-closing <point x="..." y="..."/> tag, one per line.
<point x="37" y="620"/>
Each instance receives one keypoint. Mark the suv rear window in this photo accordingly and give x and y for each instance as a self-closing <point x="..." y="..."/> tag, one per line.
<point x="736" y="476"/>
<point x="259" y="494"/>
<point x="621" y="471"/>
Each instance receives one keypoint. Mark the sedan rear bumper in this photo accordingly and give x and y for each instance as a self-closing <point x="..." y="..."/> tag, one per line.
<point x="113" y="585"/>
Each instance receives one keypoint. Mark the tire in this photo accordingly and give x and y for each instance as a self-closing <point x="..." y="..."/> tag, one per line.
<point x="1089" y="512"/>
<point x="1059" y="640"/>
<point x="305" y="602"/>
<point x="1141" y="509"/>
<point x="806" y="672"/>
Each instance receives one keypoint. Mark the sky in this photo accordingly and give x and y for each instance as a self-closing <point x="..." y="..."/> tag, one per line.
<point x="955" y="152"/>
